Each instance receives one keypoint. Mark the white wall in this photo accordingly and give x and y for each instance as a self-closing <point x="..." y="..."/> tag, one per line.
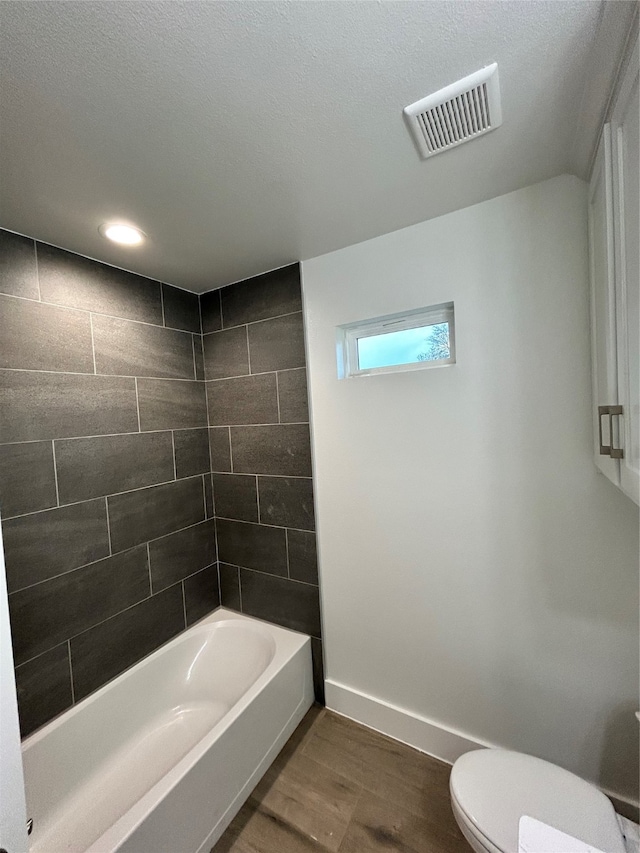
<point x="476" y="571"/>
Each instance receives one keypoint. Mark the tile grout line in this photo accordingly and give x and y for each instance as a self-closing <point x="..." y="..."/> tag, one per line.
<point x="251" y="322"/>
<point x="175" y="467"/>
<point x="258" y="373"/>
<point x="55" y="475"/>
<point x="149" y="566"/>
<point x="270" y="575"/>
<point x="278" y="398"/>
<point x="266" y="524"/>
<point x="67" y="307"/>
<point x="99" y="435"/>
<point x="93" y="351"/>
<point x="184" y="604"/>
<point x="35" y="251"/>
<point x="73" y="692"/>
<point x="246" y="328"/>
<point x="116" y="494"/>
<point x="106" y="557"/>
<point x="230" y="450"/>
<point x="193" y="354"/>
<point x="286" y="542"/>
<point x="108" y="618"/>
<point x="290" y="423"/>
<point x="204" y="496"/>
<point x="239" y="588"/>
<point x="115" y="375"/>
<point x="135" y="379"/>
<point x="258" y="499"/>
<point x="164" y="323"/>
<point x="106" y="505"/>
<point x="163" y="483"/>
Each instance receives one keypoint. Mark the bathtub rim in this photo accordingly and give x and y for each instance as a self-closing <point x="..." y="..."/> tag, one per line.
<point x="288" y="643"/>
<point x="220" y="614"/>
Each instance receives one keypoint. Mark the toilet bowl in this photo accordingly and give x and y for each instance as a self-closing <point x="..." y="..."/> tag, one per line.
<point x="491" y="789"/>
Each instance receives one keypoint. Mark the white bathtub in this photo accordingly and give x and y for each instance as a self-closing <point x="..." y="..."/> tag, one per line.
<point x="161" y="759"/>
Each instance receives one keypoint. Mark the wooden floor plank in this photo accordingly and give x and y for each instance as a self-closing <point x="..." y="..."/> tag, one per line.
<point x="311" y="798"/>
<point x="379" y="826"/>
<point x="338" y="787"/>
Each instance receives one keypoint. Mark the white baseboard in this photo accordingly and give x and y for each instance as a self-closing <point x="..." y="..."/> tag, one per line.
<point x="419" y="732"/>
<point x="398" y="723"/>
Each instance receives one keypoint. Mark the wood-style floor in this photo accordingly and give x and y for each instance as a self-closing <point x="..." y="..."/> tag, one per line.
<point x="339" y="787"/>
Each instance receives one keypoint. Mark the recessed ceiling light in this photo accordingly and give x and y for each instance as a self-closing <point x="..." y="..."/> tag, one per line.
<point x="126" y="235"/>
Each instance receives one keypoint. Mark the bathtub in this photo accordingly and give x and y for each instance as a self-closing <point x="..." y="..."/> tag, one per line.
<point x="161" y="759"/>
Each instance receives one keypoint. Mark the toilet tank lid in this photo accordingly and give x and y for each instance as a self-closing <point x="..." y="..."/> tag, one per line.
<point x="495" y="787"/>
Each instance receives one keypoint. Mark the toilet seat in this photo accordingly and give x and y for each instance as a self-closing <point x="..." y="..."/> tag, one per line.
<point x="492" y="788"/>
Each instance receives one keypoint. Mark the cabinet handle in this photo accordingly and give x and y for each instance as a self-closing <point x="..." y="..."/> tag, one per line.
<point x="609" y="449"/>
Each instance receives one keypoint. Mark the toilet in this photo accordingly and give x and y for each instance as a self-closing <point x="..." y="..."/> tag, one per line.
<point x="491" y="789"/>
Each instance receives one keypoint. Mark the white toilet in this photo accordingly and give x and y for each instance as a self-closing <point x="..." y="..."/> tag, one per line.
<point x="491" y="789"/>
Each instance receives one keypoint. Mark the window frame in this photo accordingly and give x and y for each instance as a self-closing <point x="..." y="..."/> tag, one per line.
<point x="349" y="334"/>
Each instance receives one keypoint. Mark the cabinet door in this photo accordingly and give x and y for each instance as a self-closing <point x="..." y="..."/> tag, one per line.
<point x="603" y="309"/>
<point x="625" y="131"/>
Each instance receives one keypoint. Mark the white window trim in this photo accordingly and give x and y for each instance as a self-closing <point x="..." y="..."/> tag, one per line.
<point x="348" y="335"/>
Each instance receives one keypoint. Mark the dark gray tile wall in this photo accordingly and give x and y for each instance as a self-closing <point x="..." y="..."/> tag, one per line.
<point x="260" y="452"/>
<point x="112" y="519"/>
<point x="105" y="484"/>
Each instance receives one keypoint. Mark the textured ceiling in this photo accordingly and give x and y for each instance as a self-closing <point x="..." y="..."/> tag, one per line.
<point x="242" y="136"/>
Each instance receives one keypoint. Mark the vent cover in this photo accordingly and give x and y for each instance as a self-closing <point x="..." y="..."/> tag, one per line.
<point x="456" y="114"/>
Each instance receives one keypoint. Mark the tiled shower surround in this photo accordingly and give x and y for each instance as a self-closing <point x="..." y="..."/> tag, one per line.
<point x="105" y="485"/>
<point x="255" y="368"/>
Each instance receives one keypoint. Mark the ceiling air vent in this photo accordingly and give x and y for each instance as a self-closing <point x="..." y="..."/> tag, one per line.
<point x="456" y="114"/>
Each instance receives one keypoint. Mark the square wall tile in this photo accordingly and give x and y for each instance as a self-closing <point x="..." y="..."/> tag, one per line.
<point x="181" y="309"/>
<point x="286" y="501"/>
<point x="178" y="555"/>
<point x="283" y="449"/>
<point x="226" y="353"/>
<point x="244" y="400"/>
<point x="27" y="478"/>
<point x="192" y="452"/>
<point x="236" y="496"/>
<point x="268" y="295"/>
<point x="253" y="546"/>
<point x="171" y="404"/>
<point x="277" y="344"/>
<point x="44" y="337"/>
<point x="18" y="271"/>
<point x="280" y="600"/>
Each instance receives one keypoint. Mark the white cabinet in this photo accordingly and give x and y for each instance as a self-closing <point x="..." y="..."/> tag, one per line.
<point x="614" y="237"/>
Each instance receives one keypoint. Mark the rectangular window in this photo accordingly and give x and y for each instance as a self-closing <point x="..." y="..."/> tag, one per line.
<point x="408" y="341"/>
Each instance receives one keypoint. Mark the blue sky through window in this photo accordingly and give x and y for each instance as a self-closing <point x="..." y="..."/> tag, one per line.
<point x="402" y="347"/>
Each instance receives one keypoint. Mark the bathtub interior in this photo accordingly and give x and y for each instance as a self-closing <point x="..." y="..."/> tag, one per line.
<point x="95" y="761"/>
